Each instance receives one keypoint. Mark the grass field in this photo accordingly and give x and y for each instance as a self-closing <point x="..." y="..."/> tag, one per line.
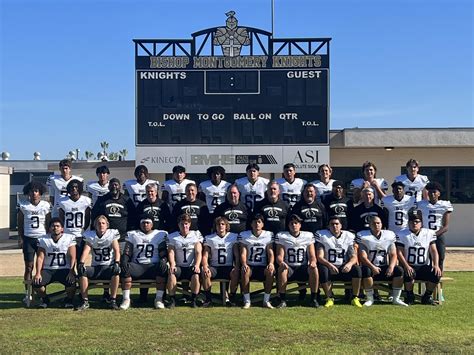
<point x="381" y="328"/>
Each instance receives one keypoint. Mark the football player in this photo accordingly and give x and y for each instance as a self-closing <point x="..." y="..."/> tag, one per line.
<point x="101" y="186"/>
<point x="413" y="182"/>
<point x="370" y="179"/>
<point x="233" y="210"/>
<point x="257" y="259"/>
<point x="296" y="257"/>
<point x="184" y="256"/>
<point x="57" y="184"/>
<point x="155" y="208"/>
<point x="213" y="191"/>
<point x="173" y="190"/>
<point x="310" y="210"/>
<point x="360" y="215"/>
<point x="378" y="256"/>
<point x="337" y="260"/>
<point x="103" y="242"/>
<point x="290" y="186"/>
<point x="436" y="216"/>
<point x="337" y="204"/>
<point x="144" y="257"/>
<point x="417" y="254"/>
<point x="324" y="184"/>
<point x="33" y="218"/>
<point x="397" y="206"/>
<point x="55" y="263"/>
<point x="220" y="260"/>
<point x="252" y="187"/>
<point x="135" y="188"/>
<point x="273" y="209"/>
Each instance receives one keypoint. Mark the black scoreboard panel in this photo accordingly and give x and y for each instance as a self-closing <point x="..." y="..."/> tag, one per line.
<point x="268" y="106"/>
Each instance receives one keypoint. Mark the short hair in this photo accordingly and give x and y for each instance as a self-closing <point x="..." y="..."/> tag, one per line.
<point x="34" y="185"/>
<point x="140" y="168"/>
<point x="324" y="166"/>
<point x="372" y="218"/>
<point x="55" y="220"/>
<point x="222" y="219"/>
<point x="308" y="185"/>
<point x="256" y="217"/>
<point x="215" y="169"/>
<point x="289" y="165"/>
<point x="368" y="164"/>
<point x="191" y="184"/>
<point x="412" y="161"/>
<point x="98" y="218"/>
<point x="152" y="185"/>
<point x="332" y="218"/>
<point x="114" y="180"/>
<point x="434" y="185"/>
<point x="252" y="166"/>
<point x="295" y="217"/>
<point x="179" y="169"/>
<point x="397" y="183"/>
<point x="65" y="162"/>
<point x="80" y="185"/>
<point x="184" y="218"/>
<point x="102" y="170"/>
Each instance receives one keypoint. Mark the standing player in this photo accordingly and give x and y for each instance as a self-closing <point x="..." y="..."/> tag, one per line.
<point x="290" y="186"/>
<point x="296" y="257"/>
<point x="378" y="256"/>
<point x="101" y="186"/>
<point x="337" y="204"/>
<point x="397" y="206"/>
<point x="57" y="184"/>
<point x="273" y="209"/>
<point x="324" y="184"/>
<point x="337" y="260"/>
<point x="173" y="190"/>
<point x="220" y="260"/>
<point x="436" y="215"/>
<point x="103" y="242"/>
<point x="233" y="210"/>
<point x="33" y="217"/>
<point x="213" y="191"/>
<point x="257" y="259"/>
<point x="370" y="179"/>
<point x="252" y="187"/>
<point x="55" y="263"/>
<point x="417" y="254"/>
<point x="413" y="182"/>
<point x="135" y="188"/>
<point x="184" y="256"/>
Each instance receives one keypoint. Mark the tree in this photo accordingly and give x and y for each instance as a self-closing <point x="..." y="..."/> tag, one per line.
<point x="123" y="153"/>
<point x="104" y="145"/>
<point x="88" y="154"/>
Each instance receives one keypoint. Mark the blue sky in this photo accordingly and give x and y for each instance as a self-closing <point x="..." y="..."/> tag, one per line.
<point x="67" y="67"/>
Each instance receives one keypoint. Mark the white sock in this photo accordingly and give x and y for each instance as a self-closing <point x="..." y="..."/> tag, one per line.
<point x="266" y="297"/>
<point x="246" y="297"/>
<point x="126" y="294"/>
<point x="370" y="294"/>
<point x="396" y="293"/>
<point x="159" y="294"/>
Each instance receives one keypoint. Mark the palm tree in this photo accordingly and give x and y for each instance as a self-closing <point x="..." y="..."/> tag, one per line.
<point x="113" y="155"/>
<point x="104" y="145"/>
<point x="123" y="153"/>
<point x="88" y="154"/>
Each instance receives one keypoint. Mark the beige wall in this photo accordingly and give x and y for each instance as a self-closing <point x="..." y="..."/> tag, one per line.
<point x="4" y="202"/>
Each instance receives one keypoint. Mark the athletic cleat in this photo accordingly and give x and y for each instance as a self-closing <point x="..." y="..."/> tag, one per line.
<point x="27" y="300"/>
<point x="106" y="298"/>
<point x="315" y="303"/>
<point x="125" y="305"/>
<point x="268" y="305"/>
<point x="207" y="304"/>
<point x="247" y="305"/>
<point x="356" y="302"/>
<point x="113" y="305"/>
<point x="194" y="304"/>
<point x="85" y="305"/>
<point x="368" y="303"/>
<point x="159" y="304"/>
<point x="410" y="299"/>
<point x="43" y="304"/>
<point x="229" y="303"/>
<point x="282" y="304"/>
<point x="329" y="302"/>
<point x="399" y="302"/>
<point x="68" y="304"/>
<point x="427" y="299"/>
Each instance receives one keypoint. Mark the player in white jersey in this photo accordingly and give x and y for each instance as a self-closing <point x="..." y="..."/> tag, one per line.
<point x="370" y="179"/>
<point x="55" y="263"/>
<point x="397" y="206"/>
<point x="378" y="256"/>
<point x="337" y="260"/>
<point x="220" y="260"/>
<point x="57" y="184"/>
<point x="144" y="257"/>
<point x="136" y="188"/>
<point x="213" y="191"/>
<point x="101" y="186"/>
<point x="324" y="184"/>
<point x="75" y="212"/>
<point x="257" y="259"/>
<point x="417" y="254"/>
<point x="252" y="187"/>
<point x="436" y="216"/>
<point x="296" y="257"/>
<point x="103" y="242"/>
<point x="33" y="217"/>
<point x="174" y="190"/>
<point x="291" y="187"/>
<point x="413" y="182"/>
<point x="184" y="256"/>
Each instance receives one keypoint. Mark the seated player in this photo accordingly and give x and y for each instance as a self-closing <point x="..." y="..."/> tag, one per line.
<point x="55" y="263"/>
<point x="184" y="256"/>
<point x="144" y="257"/>
<point x="103" y="242"/>
<point x="378" y="257"/>
<point x="337" y="260"/>
<point x="257" y="259"/>
<point x="220" y="260"/>
<point x="417" y="254"/>
<point x="296" y="258"/>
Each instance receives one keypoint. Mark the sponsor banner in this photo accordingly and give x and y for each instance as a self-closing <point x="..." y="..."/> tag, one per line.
<point x="234" y="159"/>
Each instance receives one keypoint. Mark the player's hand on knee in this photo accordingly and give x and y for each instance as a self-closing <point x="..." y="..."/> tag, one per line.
<point x="437" y="271"/>
<point x="410" y="271"/>
<point x="116" y="268"/>
<point x="37" y="279"/>
<point x="81" y="269"/>
<point x="71" y="277"/>
<point x="389" y="271"/>
<point x="245" y="268"/>
<point x="271" y="267"/>
<point x="376" y="270"/>
<point x="333" y="270"/>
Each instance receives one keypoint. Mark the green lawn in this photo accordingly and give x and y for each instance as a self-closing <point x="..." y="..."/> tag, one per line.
<point x="447" y="328"/>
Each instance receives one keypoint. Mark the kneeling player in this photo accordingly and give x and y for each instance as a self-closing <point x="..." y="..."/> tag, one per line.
<point x="337" y="260"/>
<point x="223" y="260"/>
<point x="415" y="246"/>
<point x="105" y="260"/>
<point x="257" y="258"/>
<point x="296" y="258"/>
<point x="184" y="255"/>
<point x="55" y="263"/>
<point x="144" y="257"/>
<point x="378" y="256"/>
